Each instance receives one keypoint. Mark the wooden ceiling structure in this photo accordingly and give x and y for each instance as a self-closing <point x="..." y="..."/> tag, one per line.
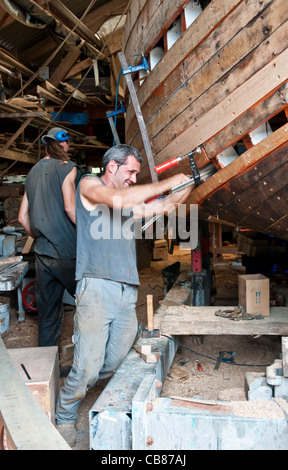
<point x="58" y="66"/>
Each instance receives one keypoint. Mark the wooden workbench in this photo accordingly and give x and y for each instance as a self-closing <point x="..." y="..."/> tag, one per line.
<point x="10" y="279"/>
<point x="190" y="320"/>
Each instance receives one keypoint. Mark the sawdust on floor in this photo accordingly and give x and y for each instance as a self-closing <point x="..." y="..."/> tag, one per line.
<point x="226" y="383"/>
<point x="250" y="354"/>
<point x="25" y="334"/>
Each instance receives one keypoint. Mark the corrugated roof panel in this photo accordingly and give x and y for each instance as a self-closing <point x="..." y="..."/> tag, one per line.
<point x="19" y="37"/>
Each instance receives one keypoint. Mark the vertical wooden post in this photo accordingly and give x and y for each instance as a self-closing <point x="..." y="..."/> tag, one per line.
<point x="139" y="117"/>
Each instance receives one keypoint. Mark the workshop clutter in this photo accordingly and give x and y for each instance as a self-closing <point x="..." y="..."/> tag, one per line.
<point x="254" y="294"/>
<point x="4" y="314"/>
<point x="273" y="384"/>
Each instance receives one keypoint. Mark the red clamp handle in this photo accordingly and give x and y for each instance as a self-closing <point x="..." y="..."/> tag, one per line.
<point x="166" y="165"/>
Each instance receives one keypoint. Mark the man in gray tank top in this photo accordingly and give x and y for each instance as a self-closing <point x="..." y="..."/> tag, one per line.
<point x="105" y="323"/>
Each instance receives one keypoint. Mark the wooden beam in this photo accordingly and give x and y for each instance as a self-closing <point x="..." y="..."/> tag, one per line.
<point x="19" y="156"/>
<point x="61" y="12"/>
<point x="27" y="114"/>
<point x="84" y="64"/>
<point x="248" y="121"/>
<point x="253" y="90"/>
<point x="65" y="65"/>
<point x="8" y="60"/>
<point x="139" y="117"/>
<point x="189" y="320"/>
<point x="97" y="17"/>
<point x="240" y="164"/>
<point x="49" y="96"/>
<point x="16" y="134"/>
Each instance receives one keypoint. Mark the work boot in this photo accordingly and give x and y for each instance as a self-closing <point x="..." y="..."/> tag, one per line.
<point x="68" y="432"/>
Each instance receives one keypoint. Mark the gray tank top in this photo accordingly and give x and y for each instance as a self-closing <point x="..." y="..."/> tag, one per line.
<point x="105" y="243"/>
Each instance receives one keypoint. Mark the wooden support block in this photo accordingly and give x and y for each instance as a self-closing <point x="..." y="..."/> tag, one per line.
<point x="145" y="352"/>
<point x="39" y="369"/>
<point x="160" y="250"/>
<point x="67" y="348"/>
<point x="143" y="348"/>
<point x="28" y="245"/>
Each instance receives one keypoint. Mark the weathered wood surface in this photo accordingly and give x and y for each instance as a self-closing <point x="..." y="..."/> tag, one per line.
<point x="202" y="73"/>
<point x="191" y="84"/>
<point x="189" y="320"/>
<point x="255" y="198"/>
<point x="200" y="82"/>
<point x="224" y="76"/>
<point x="26" y="424"/>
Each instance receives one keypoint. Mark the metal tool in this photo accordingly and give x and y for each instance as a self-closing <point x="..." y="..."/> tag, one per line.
<point x="223" y="358"/>
<point x="175" y="161"/>
<point x="112" y="123"/>
<point x="204" y="173"/>
<point x="137" y="68"/>
<point x="150" y="332"/>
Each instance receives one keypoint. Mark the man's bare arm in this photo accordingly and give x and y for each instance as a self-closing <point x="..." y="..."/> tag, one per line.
<point x="68" y="191"/>
<point x="93" y="192"/>
<point x="24" y="217"/>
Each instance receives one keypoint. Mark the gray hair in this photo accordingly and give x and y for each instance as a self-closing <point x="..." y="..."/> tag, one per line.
<point x="120" y="153"/>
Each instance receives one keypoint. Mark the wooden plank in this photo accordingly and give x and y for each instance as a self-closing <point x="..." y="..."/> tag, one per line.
<point x="28" y="245"/>
<point x="276" y="102"/>
<point x="24" y="114"/>
<point x="204" y="66"/>
<point x="186" y="320"/>
<point x="84" y="64"/>
<point x="19" y="156"/>
<point x="25" y="422"/>
<point x="15" y="135"/>
<point x="65" y="65"/>
<point x="243" y="194"/>
<point x="156" y="22"/>
<point x="248" y="94"/>
<point x="210" y="85"/>
<point x="229" y="135"/>
<point x="94" y="19"/>
<point x="140" y="120"/>
<point x="243" y="162"/>
<point x="49" y="96"/>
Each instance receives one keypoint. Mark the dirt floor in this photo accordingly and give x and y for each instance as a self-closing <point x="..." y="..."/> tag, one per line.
<point x="184" y="378"/>
<point x="24" y="334"/>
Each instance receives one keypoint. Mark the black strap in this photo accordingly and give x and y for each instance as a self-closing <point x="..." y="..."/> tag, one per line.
<point x="196" y="174"/>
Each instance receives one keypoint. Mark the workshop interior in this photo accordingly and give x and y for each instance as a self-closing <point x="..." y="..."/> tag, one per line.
<point x="198" y="87"/>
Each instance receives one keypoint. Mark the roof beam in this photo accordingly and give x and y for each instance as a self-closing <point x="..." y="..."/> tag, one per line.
<point x="63" y="14"/>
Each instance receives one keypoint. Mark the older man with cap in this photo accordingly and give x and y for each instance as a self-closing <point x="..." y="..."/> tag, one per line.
<point x="47" y="213"/>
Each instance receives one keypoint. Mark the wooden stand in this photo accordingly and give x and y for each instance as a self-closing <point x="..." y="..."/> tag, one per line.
<point x="39" y="369"/>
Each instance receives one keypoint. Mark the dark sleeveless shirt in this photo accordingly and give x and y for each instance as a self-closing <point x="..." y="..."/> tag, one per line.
<point x="55" y="232"/>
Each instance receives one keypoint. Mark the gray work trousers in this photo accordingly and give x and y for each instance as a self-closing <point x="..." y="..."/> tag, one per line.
<point x="105" y="326"/>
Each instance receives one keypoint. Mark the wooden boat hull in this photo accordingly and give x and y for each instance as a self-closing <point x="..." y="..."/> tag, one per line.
<point x="225" y="76"/>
